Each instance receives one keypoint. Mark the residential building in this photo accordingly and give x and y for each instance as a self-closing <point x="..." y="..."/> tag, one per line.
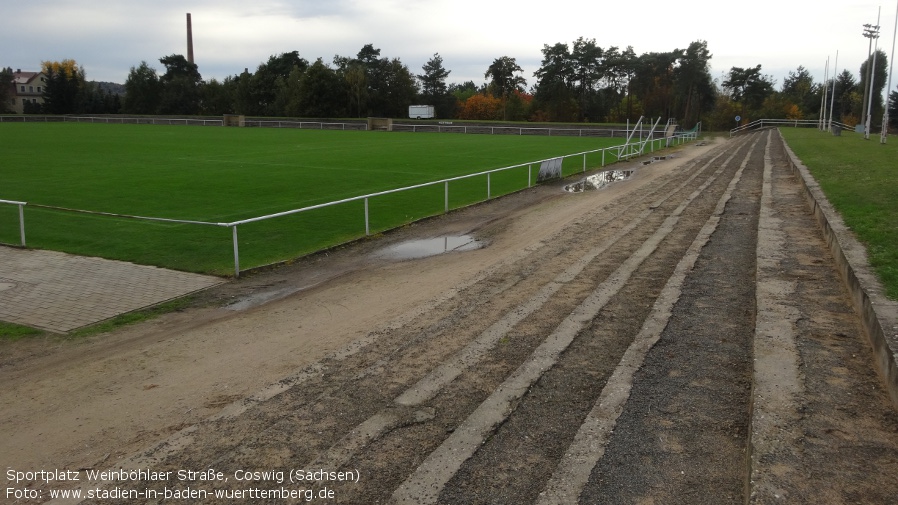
<point x="28" y="87"/>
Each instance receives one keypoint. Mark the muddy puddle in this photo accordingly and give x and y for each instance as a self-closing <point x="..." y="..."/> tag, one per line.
<point x="599" y="181"/>
<point x="423" y="248"/>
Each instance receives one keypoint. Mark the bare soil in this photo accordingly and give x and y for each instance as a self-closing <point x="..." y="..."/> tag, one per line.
<point x="604" y="347"/>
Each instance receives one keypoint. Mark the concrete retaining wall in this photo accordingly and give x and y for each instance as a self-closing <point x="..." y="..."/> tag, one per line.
<point x="879" y="314"/>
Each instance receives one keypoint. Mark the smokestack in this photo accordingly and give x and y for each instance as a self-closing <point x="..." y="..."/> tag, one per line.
<point x="189" y="40"/>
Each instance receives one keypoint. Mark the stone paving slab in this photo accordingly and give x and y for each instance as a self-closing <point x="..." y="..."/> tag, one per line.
<point x="60" y="292"/>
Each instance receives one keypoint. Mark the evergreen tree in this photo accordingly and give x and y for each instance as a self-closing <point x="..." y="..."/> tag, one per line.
<point x="433" y="86"/>
<point x="694" y="85"/>
<point x="6" y="77"/>
<point x="65" y="82"/>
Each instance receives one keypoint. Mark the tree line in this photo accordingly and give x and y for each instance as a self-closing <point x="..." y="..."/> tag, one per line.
<point x="576" y="82"/>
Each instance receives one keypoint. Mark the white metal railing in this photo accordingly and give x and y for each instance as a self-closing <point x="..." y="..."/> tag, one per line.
<point x="316" y="125"/>
<point x="806" y="123"/>
<point x="618" y="152"/>
<point x="512" y="130"/>
<point x="21" y="206"/>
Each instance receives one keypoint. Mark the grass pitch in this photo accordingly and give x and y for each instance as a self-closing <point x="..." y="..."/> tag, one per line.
<point x="228" y="174"/>
<point x="860" y="179"/>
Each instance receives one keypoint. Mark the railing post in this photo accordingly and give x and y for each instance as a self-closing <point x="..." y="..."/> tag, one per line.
<point x="367" y="227"/>
<point x="447" y="197"/>
<point x="529" y="175"/>
<point x="584" y="162"/>
<point x="236" y="253"/>
<point x="603" y="157"/>
<point x="488" y="185"/>
<point x="22" y="223"/>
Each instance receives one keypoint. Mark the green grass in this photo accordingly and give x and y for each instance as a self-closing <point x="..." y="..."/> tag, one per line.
<point x="227" y="174"/>
<point x="10" y="331"/>
<point x="860" y="179"/>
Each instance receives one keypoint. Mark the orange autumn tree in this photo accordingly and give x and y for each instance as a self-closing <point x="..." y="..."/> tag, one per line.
<point x="481" y="107"/>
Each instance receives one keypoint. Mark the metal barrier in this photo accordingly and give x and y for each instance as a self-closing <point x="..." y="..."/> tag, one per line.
<point x="806" y="123"/>
<point x="21" y="217"/>
<point x="620" y="152"/>
<point x="511" y="130"/>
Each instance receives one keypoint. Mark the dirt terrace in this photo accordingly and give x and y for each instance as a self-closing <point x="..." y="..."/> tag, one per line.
<point x="679" y="337"/>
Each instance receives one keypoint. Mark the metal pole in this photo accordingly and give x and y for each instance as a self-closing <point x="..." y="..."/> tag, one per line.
<point x="236" y="253"/>
<point x="488" y="186"/>
<point x="367" y="228"/>
<point x="821" y="122"/>
<point x="868" y="34"/>
<point x="884" y="134"/>
<point x="447" y="197"/>
<point x="872" y="78"/>
<point x="22" y="223"/>
<point x="584" y="162"/>
<point x="870" y="97"/>
<point x="871" y="72"/>
<point x="832" y="100"/>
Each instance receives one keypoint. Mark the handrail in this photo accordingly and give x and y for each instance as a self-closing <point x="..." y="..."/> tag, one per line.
<point x="759" y="123"/>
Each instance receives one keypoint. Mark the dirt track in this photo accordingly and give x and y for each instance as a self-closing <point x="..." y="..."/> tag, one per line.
<point x="681" y="337"/>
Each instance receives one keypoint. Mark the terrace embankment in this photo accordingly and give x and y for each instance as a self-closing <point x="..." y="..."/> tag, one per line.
<point x="678" y="337"/>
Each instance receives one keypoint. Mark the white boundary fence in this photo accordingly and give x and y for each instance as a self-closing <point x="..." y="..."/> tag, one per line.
<point x="435" y="127"/>
<point x="511" y="130"/>
<point x="195" y="121"/>
<point x="619" y="152"/>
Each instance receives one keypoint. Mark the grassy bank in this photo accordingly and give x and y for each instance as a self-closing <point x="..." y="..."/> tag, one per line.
<point x="860" y="178"/>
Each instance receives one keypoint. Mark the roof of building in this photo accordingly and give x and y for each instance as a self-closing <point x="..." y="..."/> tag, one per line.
<point x="24" y="77"/>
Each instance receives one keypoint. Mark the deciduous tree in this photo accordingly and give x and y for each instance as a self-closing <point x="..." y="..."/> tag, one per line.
<point x="181" y="83"/>
<point x="142" y="90"/>
<point x="748" y="87"/>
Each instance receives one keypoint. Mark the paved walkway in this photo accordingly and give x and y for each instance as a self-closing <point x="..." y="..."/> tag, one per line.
<point x="60" y="292"/>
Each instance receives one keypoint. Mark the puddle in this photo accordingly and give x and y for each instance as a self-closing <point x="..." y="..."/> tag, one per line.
<point x="599" y="181"/>
<point x="263" y="297"/>
<point x="413" y="249"/>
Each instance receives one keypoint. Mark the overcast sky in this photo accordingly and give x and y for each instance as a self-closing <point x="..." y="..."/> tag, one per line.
<point x="108" y="38"/>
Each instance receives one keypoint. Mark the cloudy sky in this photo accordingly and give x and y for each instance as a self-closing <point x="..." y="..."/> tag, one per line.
<point x="108" y="38"/>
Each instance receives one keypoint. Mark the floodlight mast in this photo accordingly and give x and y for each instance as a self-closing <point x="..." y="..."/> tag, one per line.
<point x="832" y="99"/>
<point x="821" y="121"/>
<point x="868" y="33"/>
<point x="884" y="134"/>
<point x="871" y="32"/>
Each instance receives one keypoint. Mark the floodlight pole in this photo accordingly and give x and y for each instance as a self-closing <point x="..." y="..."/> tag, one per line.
<point x="832" y="100"/>
<point x="821" y="122"/>
<point x="874" y="35"/>
<point x="884" y="134"/>
<point x="869" y="33"/>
